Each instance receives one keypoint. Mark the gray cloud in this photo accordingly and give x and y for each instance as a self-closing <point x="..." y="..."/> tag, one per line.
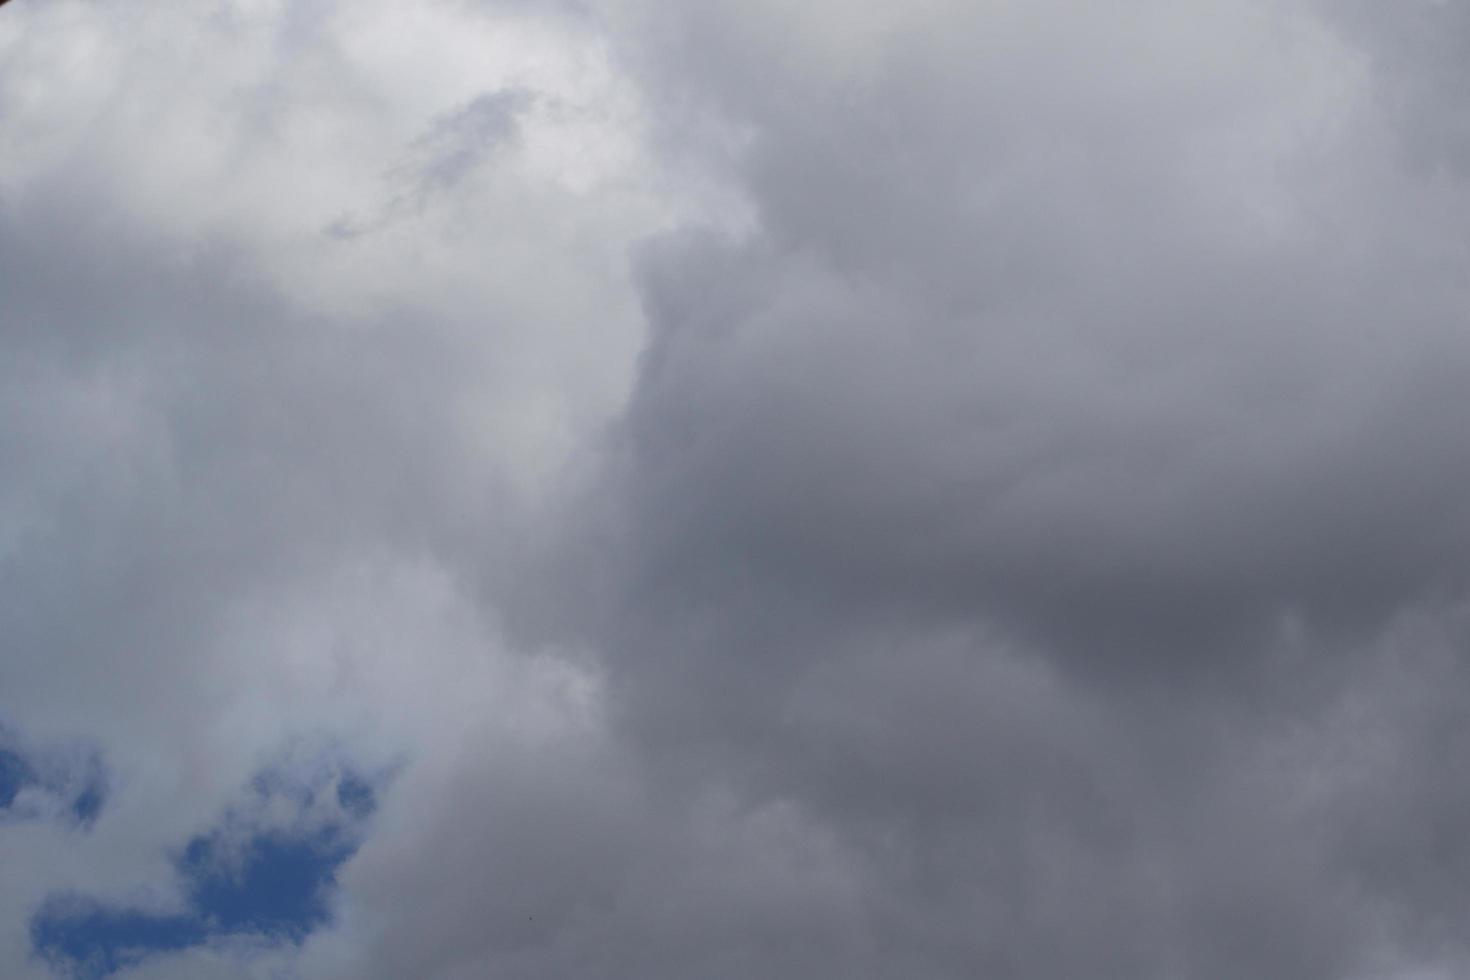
<point x="936" y="491"/>
<point x="1149" y="388"/>
<point x="447" y="153"/>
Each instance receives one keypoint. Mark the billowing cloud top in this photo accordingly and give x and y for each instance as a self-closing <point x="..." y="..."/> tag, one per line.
<point x="624" y="489"/>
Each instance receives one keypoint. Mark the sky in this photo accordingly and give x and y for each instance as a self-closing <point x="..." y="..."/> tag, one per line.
<point x="628" y="489"/>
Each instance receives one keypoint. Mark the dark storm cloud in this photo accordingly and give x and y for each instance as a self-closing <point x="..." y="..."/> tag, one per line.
<point x="1001" y="357"/>
<point x="1029" y="497"/>
<point x="1041" y="534"/>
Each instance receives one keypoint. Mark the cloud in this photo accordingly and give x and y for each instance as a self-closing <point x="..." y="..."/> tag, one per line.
<point x="790" y="491"/>
<point x="448" y="153"/>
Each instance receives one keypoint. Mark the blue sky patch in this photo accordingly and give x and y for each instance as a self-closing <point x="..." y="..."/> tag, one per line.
<point x="84" y="939"/>
<point x="251" y="875"/>
<point x="61" y="781"/>
<point x="14" y="774"/>
<point x="281" y="887"/>
<point x="88" y="802"/>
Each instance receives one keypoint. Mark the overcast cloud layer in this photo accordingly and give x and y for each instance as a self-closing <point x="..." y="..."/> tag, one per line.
<point x="735" y="489"/>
